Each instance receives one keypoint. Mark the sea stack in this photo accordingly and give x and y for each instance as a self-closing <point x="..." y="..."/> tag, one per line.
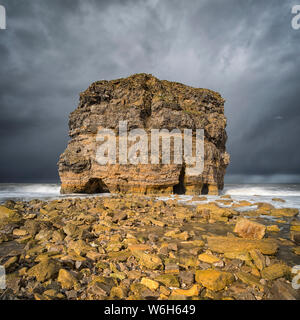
<point x="143" y="102"/>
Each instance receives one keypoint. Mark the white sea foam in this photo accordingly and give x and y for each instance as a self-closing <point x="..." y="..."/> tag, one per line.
<point x="37" y="188"/>
<point x="251" y="192"/>
<point x="262" y="191"/>
<point x="29" y="188"/>
<point x="19" y="191"/>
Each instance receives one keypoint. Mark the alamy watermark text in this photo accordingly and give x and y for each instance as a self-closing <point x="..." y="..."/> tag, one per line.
<point x="133" y="147"/>
<point x="296" y="19"/>
<point x="2" y="18"/>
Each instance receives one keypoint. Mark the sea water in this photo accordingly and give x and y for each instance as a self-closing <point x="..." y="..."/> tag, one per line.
<point x="250" y="192"/>
<point x="30" y="191"/>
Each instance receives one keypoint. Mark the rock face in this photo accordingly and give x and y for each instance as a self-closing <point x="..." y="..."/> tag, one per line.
<point x="145" y="102"/>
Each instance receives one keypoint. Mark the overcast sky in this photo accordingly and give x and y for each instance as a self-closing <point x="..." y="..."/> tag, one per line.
<point x="247" y="50"/>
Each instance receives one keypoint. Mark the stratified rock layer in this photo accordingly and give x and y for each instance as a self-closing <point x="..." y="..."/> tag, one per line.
<point x="148" y="103"/>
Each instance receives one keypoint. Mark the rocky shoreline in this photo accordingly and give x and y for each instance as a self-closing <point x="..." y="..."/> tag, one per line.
<point x="137" y="247"/>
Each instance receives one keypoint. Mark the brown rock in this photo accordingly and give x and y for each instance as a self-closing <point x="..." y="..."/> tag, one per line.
<point x="193" y="291"/>
<point x="278" y="200"/>
<point x="273" y="228"/>
<point x="19" y="232"/>
<point x="230" y="244"/>
<point x="186" y="277"/>
<point x="118" y="292"/>
<point x="295" y="236"/>
<point x="258" y="258"/>
<point x="246" y="228"/>
<point x="10" y="262"/>
<point x="274" y="271"/>
<point x="208" y="258"/>
<point x="32" y="227"/>
<point x="66" y="279"/>
<point x="249" y="279"/>
<point x="214" y="280"/>
<point x="150" y="261"/>
<point x="146" y="103"/>
<point x="214" y="212"/>
<point x="281" y="290"/>
<point x="169" y="280"/>
<point x="149" y="283"/>
<point x="45" y="270"/>
<point x="284" y="212"/>
<point x="8" y="216"/>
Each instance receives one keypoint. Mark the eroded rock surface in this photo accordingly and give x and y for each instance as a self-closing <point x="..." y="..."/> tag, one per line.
<point x="147" y="103"/>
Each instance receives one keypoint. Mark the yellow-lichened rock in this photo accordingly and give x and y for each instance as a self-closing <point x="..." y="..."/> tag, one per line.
<point x="231" y="244"/>
<point x="297" y="251"/>
<point x="66" y="279"/>
<point x="273" y="228"/>
<point x="284" y="212"/>
<point x="215" y="212"/>
<point x="249" y="279"/>
<point x="149" y="283"/>
<point x="242" y="203"/>
<point x="193" y="291"/>
<point x="214" y="280"/>
<point x="169" y="280"/>
<point x="295" y="228"/>
<point x="45" y="270"/>
<point x="208" y="258"/>
<point x="118" y="292"/>
<point x="177" y="235"/>
<point x="8" y="216"/>
<point x="148" y="260"/>
<point x="275" y="271"/>
<point x="240" y="255"/>
<point x="258" y="258"/>
<point x="20" y="232"/>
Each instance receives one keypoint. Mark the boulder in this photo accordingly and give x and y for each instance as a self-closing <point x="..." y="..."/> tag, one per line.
<point x="231" y="244"/>
<point x="169" y="280"/>
<point x="146" y="103"/>
<point x="258" y="258"/>
<point x="284" y="212"/>
<point x="214" y="280"/>
<point x="208" y="258"/>
<point x="281" y="290"/>
<point x="150" y="261"/>
<point x="276" y="270"/>
<point x="246" y="228"/>
<point x="8" y="216"/>
<point x="45" y="270"/>
<point x="149" y="283"/>
<point x="66" y="279"/>
<point x="249" y="279"/>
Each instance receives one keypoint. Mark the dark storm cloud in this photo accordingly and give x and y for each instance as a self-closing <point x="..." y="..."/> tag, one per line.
<point x="246" y="50"/>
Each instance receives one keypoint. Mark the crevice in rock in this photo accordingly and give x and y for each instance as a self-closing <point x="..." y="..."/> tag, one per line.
<point x="96" y="185"/>
<point x="204" y="189"/>
<point x="180" y="187"/>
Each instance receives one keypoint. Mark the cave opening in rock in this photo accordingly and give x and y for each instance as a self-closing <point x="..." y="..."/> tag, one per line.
<point x="96" y="185"/>
<point x="204" y="189"/>
<point x="180" y="187"/>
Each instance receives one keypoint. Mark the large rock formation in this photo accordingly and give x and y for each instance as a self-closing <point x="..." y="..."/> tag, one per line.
<point x="148" y="103"/>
